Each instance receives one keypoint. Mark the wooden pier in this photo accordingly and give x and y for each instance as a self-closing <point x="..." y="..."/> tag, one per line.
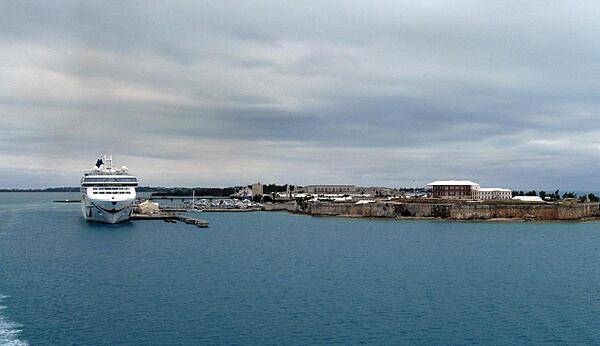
<point x="230" y="210"/>
<point x="193" y="221"/>
<point x="175" y="209"/>
<point x="179" y="209"/>
<point x="157" y="216"/>
<point x="171" y="217"/>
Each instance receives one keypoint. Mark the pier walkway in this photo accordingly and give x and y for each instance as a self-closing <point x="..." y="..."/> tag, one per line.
<point x="171" y="217"/>
<point x="181" y="209"/>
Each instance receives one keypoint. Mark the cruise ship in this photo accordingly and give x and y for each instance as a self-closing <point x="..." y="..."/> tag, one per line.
<point x="107" y="193"/>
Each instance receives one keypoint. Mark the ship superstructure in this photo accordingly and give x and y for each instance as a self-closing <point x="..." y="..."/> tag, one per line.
<point x="107" y="193"/>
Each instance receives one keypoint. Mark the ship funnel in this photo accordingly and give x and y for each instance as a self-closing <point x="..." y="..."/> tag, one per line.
<point x="108" y="162"/>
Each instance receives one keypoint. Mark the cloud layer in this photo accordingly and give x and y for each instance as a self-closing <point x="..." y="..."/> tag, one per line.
<point x="370" y="93"/>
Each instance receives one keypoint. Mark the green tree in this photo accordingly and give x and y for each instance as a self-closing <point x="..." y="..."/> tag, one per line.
<point x="269" y="188"/>
<point x="593" y="198"/>
<point x="531" y="193"/>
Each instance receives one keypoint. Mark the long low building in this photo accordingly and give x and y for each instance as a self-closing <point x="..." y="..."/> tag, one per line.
<point x="488" y="193"/>
<point x="379" y="191"/>
<point x="329" y="189"/>
<point x="528" y="198"/>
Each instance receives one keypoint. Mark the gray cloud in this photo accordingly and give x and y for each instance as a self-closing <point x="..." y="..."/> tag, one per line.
<point x="383" y="93"/>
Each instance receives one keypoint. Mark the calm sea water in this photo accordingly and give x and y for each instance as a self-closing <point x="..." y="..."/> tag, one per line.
<point x="275" y="278"/>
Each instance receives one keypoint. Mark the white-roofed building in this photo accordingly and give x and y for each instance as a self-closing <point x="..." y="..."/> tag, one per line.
<point x="489" y="193"/>
<point x="147" y="208"/>
<point x="528" y="198"/>
<point x="453" y="189"/>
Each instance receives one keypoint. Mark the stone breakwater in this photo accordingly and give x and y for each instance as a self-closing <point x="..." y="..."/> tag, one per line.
<point x="455" y="211"/>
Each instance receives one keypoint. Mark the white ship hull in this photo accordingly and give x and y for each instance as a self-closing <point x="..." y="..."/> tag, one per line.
<point x="106" y="211"/>
<point x="107" y="194"/>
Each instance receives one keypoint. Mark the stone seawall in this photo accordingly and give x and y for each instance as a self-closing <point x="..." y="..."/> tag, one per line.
<point x="457" y="211"/>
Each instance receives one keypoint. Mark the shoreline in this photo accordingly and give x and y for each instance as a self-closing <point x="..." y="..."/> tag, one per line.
<point x="440" y="219"/>
<point x="449" y="211"/>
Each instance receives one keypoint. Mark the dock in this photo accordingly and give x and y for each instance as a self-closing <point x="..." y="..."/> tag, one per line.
<point x="193" y="221"/>
<point x="175" y="209"/>
<point x="157" y="216"/>
<point x="230" y="210"/>
<point x="180" y="209"/>
<point x="171" y="217"/>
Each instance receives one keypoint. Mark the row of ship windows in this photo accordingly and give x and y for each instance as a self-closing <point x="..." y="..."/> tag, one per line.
<point x="110" y="188"/>
<point x="103" y="180"/>
<point x="111" y="192"/>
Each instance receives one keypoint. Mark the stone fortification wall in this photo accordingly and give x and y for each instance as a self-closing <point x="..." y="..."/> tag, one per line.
<point x="380" y="209"/>
<point x="287" y="206"/>
<point x="458" y="211"/>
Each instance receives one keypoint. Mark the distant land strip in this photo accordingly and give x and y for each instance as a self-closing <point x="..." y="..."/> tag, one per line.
<point x="167" y="191"/>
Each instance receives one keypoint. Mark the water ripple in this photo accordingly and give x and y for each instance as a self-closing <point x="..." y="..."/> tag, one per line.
<point x="9" y="331"/>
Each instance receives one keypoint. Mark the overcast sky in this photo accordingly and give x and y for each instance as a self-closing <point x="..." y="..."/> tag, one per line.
<point x="359" y="92"/>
